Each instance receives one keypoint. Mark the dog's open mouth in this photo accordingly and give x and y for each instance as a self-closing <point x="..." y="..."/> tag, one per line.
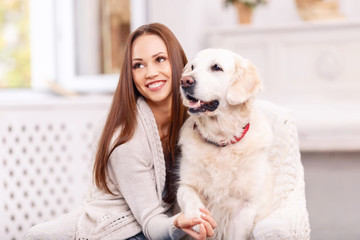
<point x="196" y="106"/>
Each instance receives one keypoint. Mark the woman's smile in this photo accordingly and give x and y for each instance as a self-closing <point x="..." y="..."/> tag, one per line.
<point x="157" y="85"/>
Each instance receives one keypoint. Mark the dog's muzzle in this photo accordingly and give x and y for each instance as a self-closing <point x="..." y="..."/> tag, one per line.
<point x="196" y="105"/>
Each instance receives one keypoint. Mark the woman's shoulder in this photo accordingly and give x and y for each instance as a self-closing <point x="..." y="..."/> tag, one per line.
<point x="136" y="150"/>
<point x="143" y="123"/>
<point x="137" y="142"/>
<point x="145" y="134"/>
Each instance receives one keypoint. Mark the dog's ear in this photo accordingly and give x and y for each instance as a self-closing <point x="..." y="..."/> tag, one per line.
<point x="245" y="83"/>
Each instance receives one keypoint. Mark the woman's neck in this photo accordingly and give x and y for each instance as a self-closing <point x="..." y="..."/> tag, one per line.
<point x="162" y="115"/>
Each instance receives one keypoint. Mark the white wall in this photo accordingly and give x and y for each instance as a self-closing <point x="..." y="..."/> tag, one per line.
<point x="188" y="19"/>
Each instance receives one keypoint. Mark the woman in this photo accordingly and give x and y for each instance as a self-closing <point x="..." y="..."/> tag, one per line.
<point x="134" y="192"/>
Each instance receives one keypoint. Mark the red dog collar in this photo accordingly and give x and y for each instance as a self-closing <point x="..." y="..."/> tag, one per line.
<point x="237" y="139"/>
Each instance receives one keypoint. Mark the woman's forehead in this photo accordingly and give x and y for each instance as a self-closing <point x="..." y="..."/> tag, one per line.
<point x="148" y="45"/>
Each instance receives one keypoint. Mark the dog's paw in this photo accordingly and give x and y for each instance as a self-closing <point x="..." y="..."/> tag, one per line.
<point x="193" y="211"/>
<point x="196" y="228"/>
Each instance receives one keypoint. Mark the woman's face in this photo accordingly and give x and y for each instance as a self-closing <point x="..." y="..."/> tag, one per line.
<point x="151" y="69"/>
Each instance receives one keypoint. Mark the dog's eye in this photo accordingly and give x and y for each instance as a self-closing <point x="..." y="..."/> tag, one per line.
<point x="192" y="67"/>
<point x="216" y="67"/>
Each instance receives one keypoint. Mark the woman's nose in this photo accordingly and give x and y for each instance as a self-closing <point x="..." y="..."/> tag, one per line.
<point x="151" y="71"/>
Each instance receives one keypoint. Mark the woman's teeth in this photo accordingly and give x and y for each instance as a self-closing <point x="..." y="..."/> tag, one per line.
<point x="156" y="84"/>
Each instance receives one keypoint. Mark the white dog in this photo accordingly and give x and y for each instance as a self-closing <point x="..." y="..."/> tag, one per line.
<point x="225" y="145"/>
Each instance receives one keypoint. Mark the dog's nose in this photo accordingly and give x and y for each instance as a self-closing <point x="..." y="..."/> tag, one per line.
<point x="187" y="81"/>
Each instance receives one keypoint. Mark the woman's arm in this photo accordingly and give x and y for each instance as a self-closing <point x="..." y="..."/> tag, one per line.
<point x="133" y="174"/>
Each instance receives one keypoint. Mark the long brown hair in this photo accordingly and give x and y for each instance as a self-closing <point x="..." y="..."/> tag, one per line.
<point x="123" y="114"/>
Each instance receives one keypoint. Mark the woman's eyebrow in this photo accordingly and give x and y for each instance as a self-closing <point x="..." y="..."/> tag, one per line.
<point x="153" y="56"/>
<point x="157" y="54"/>
<point x="137" y="59"/>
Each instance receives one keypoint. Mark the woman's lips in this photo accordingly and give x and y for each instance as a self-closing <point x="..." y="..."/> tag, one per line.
<point x="154" y="86"/>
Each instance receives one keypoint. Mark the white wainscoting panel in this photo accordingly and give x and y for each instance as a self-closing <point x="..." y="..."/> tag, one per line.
<point x="46" y="154"/>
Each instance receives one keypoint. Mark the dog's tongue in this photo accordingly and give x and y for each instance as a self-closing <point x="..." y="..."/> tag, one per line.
<point x="194" y="104"/>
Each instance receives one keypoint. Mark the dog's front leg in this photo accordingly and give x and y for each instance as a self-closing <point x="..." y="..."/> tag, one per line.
<point x="242" y="222"/>
<point x="189" y="203"/>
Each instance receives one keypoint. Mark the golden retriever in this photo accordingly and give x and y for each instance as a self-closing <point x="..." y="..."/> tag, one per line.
<point x="225" y="144"/>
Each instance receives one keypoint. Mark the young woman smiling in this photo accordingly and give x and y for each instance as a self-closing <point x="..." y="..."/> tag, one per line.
<point x="134" y="190"/>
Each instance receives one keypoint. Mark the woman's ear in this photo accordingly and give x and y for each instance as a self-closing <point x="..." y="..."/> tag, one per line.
<point x="244" y="84"/>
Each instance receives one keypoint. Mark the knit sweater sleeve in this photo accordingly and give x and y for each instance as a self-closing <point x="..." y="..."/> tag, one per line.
<point x="133" y="174"/>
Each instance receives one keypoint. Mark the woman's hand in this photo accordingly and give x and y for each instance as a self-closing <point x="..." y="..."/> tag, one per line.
<point x="206" y="225"/>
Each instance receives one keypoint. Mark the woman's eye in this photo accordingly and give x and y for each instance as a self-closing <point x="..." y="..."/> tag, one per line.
<point x="160" y="59"/>
<point x="137" y="65"/>
<point x="216" y="68"/>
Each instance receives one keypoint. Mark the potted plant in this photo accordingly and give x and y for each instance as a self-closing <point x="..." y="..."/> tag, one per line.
<point x="245" y="8"/>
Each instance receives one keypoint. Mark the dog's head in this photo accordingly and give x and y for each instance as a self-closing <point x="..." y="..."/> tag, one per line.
<point x="217" y="78"/>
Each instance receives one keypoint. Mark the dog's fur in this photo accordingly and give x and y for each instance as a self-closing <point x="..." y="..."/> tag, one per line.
<point x="233" y="180"/>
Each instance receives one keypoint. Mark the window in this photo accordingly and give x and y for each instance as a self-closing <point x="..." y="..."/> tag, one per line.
<point x="76" y="44"/>
<point x="14" y="44"/>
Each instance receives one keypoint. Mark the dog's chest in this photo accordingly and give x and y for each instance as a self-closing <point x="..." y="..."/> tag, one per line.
<point x="235" y="171"/>
<point x="228" y="172"/>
